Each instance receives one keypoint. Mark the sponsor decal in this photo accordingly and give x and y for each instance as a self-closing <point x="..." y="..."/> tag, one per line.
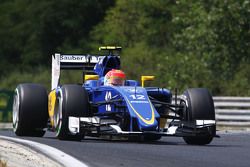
<point x="145" y="102"/>
<point x="108" y="96"/>
<point x="133" y="90"/>
<point x="73" y="58"/>
<point x="80" y="58"/>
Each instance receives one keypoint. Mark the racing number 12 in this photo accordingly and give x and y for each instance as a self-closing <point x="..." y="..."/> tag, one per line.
<point x="138" y="97"/>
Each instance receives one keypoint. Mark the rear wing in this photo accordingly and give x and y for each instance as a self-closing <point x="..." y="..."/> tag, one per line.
<point x="71" y="62"/>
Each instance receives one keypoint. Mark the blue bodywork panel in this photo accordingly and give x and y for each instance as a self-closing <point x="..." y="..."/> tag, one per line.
<point x="137" y="107"/>
<point x="106" y="64"/>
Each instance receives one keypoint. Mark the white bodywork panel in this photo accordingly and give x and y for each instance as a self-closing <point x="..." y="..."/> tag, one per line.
<point x="172" y="130"/>
<point x="55" y="71"/>
<point x="205" y="122"/>
<point x="74" y="125"/>
<point x="60" y="60"/>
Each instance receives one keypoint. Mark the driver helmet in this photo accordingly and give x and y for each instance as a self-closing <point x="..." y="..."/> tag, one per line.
<point x="115" y="77"/>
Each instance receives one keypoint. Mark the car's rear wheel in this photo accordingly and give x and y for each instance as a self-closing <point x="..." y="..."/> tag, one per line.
<point x="200" y="106"/>
<point x="30" y="110"/>
<point x="72" y="100"/>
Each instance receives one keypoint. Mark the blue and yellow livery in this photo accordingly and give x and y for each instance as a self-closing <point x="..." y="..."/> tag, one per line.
<point x="94" y="109"/>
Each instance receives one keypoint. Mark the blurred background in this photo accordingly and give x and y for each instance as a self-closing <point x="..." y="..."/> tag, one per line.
<point x="192" y="43"/>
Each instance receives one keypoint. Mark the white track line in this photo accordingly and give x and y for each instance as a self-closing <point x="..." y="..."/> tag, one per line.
<point x="61" y="157"/>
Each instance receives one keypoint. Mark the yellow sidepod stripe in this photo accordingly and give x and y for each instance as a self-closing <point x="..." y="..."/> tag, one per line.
<point x="51" y="105"/>
<point x="149" y="122"/>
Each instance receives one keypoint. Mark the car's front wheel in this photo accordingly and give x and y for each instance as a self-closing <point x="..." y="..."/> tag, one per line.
<point x="72" y="100"/>
<point x="199" y="106"/>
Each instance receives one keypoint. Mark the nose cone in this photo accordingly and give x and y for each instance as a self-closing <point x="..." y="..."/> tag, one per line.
<point x="140" y="108"/>
<point x="142" y="126"/>
<point x="145" y="115"/>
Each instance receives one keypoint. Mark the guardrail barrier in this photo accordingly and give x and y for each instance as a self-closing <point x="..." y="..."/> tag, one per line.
<point x="232" y="111"/>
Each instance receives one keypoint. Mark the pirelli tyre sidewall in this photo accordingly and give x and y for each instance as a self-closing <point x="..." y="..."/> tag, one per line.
<point x="30" y="110"/>
<point x="199" y="106"/>
<point x="72" y="100"/>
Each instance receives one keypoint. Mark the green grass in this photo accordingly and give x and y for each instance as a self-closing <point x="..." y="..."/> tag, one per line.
<point x="3" y="103"/>
<point x="8" y="119"/>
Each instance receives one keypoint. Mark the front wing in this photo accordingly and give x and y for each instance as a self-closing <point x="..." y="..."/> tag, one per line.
<point x="97" y="127"/>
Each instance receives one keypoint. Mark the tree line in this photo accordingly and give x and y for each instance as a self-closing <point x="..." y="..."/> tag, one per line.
<point x="183" y="43"/>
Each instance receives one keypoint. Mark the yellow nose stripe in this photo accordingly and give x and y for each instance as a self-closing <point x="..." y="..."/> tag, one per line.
<point x="148" y="122"/>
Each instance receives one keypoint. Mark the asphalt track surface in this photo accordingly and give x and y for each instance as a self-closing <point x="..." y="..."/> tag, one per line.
<point x="230" y="150"/>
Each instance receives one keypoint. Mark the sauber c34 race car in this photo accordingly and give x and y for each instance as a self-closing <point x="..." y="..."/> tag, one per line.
<point x="134" y="111"/>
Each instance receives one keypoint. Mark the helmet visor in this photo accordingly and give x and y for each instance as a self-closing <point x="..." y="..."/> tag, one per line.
<point x="117" y="81"/>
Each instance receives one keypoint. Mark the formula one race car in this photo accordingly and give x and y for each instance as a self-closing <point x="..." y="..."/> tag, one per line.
<point x="92" y="108"/>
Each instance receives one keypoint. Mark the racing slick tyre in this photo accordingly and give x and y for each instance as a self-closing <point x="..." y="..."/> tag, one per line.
<point x="72" y="100"/>
<point x="200" y="106"/>
<point x="30" y="110"/>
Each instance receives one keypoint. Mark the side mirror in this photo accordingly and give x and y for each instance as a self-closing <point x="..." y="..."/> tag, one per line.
<point x="91" y="77"/>
<point x="146" y="78"/>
